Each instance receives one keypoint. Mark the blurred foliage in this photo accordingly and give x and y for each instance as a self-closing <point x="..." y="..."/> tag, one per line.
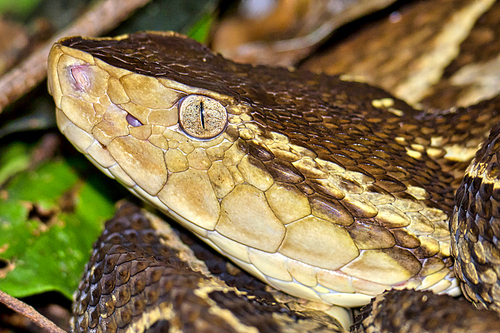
<point x="51" y="213"/>
<point x="20" y="8"/>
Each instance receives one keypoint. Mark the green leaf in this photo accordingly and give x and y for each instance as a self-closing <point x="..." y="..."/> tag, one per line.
<point x="19" y="7"/>
<point x="14" y="159"/>
<point x="45" y="185"/>
<point x="49" y="257"/>
<point x="201" y="29"/>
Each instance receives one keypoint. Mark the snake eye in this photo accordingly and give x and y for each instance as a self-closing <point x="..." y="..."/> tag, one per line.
<point x="202" y="117"/>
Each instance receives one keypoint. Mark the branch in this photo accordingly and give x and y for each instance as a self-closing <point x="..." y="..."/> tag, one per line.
<point x="103" y="17"/>
<point x="30" y="313"/>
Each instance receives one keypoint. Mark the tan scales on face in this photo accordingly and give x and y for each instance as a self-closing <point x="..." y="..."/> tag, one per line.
<point x="308" y="182"/>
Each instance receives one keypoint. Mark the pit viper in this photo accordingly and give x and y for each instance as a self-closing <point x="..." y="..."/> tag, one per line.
<point x="327" y="189"/>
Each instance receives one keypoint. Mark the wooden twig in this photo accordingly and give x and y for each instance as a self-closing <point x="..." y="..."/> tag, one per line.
<point x="30" y="313"/>
<point x="102" y="17"/>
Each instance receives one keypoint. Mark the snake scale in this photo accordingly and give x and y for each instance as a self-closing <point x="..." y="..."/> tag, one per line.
<point x="327" y="189"/>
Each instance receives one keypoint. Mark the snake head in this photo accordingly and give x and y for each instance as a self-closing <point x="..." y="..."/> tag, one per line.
<point x="144" y="129"/>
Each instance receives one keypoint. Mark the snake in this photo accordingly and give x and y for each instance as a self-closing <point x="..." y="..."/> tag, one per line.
<point x="327" y="189"/>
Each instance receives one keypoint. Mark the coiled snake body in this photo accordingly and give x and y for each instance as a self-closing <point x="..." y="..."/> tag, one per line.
<point x="326" y="189"/>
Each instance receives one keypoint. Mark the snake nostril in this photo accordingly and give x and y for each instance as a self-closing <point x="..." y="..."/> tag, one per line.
<point x="133" y="121"/>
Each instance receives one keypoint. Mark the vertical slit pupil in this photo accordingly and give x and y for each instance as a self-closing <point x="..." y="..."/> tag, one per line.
<point x="202" y="115"/>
